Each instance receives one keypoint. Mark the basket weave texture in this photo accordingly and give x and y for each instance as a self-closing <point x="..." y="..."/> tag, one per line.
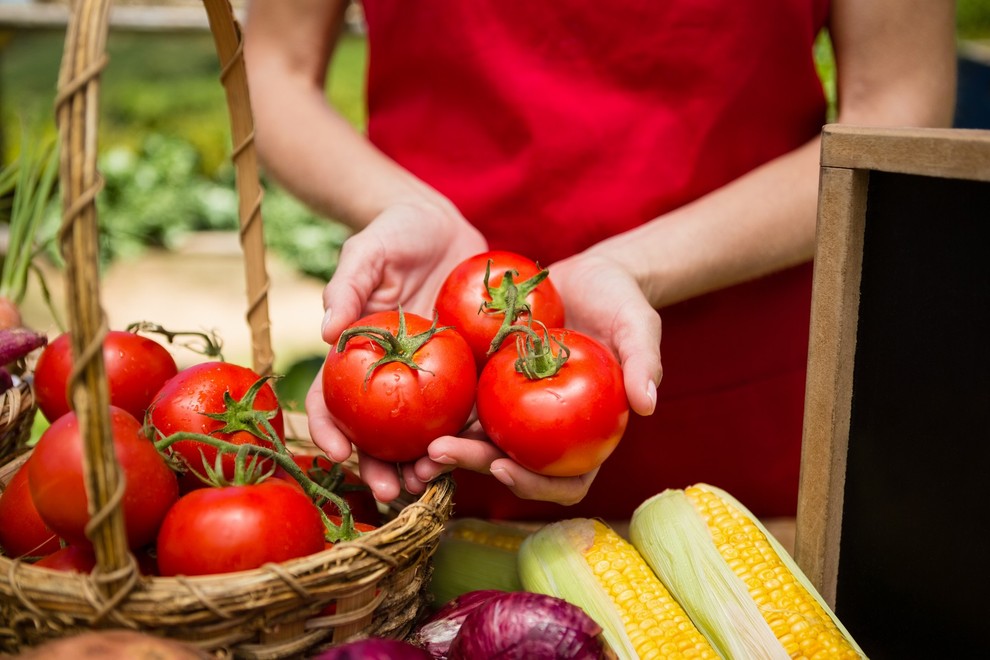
<point x="17" y="410"/>
<point x="372" y="586"/>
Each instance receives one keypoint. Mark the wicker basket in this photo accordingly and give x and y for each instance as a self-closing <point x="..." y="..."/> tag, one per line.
<point x="17" y="410"/>
<point x="377" y="583"/>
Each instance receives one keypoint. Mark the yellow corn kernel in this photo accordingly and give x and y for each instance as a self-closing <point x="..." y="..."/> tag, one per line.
<point x="475" y="554"/>
<point x="734" y="579"/>
<point x="587" y="563"/>
<point x="483" y="532"/>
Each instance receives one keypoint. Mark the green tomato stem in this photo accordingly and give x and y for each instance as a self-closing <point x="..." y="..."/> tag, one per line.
<point x="509" y="300"/>
<point x="334" y="533"/>
<point x="399" y="347"/>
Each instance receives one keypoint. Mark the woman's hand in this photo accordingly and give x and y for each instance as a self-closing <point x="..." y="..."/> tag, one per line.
<point x="473" y="451"/>
<point x="604" y="300"/>
<point x="400" y="258"/>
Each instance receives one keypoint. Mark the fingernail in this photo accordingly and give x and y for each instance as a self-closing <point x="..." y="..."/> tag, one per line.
<point x="444" y="459"/>
<point x="651" y="393"/>
<point x="503" y="476"/>
<point x="326" y="320"/>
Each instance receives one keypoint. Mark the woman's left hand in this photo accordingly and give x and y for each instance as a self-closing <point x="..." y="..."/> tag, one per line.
<point x="603" y="300"/>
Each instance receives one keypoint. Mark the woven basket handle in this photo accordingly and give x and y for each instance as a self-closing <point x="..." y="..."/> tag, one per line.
<point x="77" y="104"/>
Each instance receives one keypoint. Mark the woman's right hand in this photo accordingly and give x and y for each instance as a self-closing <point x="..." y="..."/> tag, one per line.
<point x="401" y="258"/>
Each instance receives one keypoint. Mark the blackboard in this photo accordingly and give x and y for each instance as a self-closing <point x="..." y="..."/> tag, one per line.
<point x="893" y="508"/>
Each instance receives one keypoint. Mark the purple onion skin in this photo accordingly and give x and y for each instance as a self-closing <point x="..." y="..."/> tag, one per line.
<point x="15" y="343"/>
<point x="527" y="626"/>
<point x="437" y="632"/>
<point x="374" y="648"/>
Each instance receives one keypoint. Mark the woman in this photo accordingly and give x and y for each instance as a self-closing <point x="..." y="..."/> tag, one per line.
<point x="661" y="158"/>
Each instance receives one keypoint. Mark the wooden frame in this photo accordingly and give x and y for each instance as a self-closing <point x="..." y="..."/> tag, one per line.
<point x="849" y="154"/>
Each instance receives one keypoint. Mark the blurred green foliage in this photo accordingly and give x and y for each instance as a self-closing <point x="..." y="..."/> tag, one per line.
<point x="973" y="19"/>
<point x="165" y="141"/>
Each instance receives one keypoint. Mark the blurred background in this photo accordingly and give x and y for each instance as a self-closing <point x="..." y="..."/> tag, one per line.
<point x="168" y="211"/>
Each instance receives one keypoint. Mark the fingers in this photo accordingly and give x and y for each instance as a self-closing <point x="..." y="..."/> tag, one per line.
<point x="381" y="477"/>
<point x="637" y="342"/>
<point x="324" y="432"/>
<point x="448" y="452"/>
<point x="482" y="456"/>
<point x="531" y="486"/>
<point x="621" y="317"/>
<point x="359" y="273"/>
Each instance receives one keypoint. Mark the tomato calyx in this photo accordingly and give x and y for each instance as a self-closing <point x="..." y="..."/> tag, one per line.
<point x="536" y="357"/>
<point x="247" y="470"/>
<point x="208" y="344"/>
<point x="399" y="347"/>
<point x="241" y="415"/>
<point x="509" y="300"/>
<point x="345" y="531"/>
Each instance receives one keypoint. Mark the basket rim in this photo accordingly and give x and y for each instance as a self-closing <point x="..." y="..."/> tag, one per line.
<point x="375" y="545"/>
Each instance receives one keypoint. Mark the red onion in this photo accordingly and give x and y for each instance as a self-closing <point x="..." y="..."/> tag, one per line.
<point x="374" y="648"/>
<point x="527" y="626"/>
<point x="438" y="631"/>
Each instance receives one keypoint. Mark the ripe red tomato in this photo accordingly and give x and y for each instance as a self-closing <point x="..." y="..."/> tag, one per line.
<point x="393" y="411"/>
<point x="22" y="531"/>
<point x="460" y="299"/>
<point x="237" y="528"/>
<point x="136" y="367"/>
<point x="341" y="481"/>
<point x="55" y="476"/>
<point x="186" y="400"/>
<point x="564" y="425"/>
<point x="71" y="559"/>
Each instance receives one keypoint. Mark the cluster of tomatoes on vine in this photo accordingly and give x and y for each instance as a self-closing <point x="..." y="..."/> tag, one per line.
<point x="548" y="396"/>
<point x="209" y="485"/>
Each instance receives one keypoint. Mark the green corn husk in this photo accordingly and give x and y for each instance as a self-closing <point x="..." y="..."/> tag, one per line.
<point x="750" y="603"/>
<point x="588" y="564"/>
<point x="476" y="554"/>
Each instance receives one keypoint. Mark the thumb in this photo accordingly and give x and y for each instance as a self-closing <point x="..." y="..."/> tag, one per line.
<point x="638" y="346"/>
<point x="358" y="274"/>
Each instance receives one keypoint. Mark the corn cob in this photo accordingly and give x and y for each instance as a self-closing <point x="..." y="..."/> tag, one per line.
<point x="735" y="581"/>
<point x="588" y="564"/>
<point x="475" y="554"/>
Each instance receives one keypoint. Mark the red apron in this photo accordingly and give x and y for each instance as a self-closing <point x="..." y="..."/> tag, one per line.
<point x="552" y="126"/>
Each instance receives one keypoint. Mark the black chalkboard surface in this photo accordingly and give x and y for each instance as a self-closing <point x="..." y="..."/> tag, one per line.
<point x="913" y="580"/>
<point x="892" y="520"/>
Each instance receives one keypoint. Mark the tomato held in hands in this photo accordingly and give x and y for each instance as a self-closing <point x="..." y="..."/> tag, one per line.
<point x="394" y="382"/>
<point x="22" y="531"/>
<point x="136" y="368"/>
<point x="478" y="300"/>
<point x="188" y="401"/>
<point x="561" y="425"/>
<point x="55" y="477"/>
<point x="237" y="528"/>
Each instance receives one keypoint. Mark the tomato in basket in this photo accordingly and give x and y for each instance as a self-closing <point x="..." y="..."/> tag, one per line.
<point x="71" y="559"/>
<point x="56" y="479"/>
<point x="475" y="298"/>
<point x="22" y="531"/>
<point x="557" y="406"/>
<point x="136" y="368"/>
<point x="238" y="528"/>
<point x="394" y="382"/>
<point x="341" y="481"/>
<point x="220" y="399"/>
